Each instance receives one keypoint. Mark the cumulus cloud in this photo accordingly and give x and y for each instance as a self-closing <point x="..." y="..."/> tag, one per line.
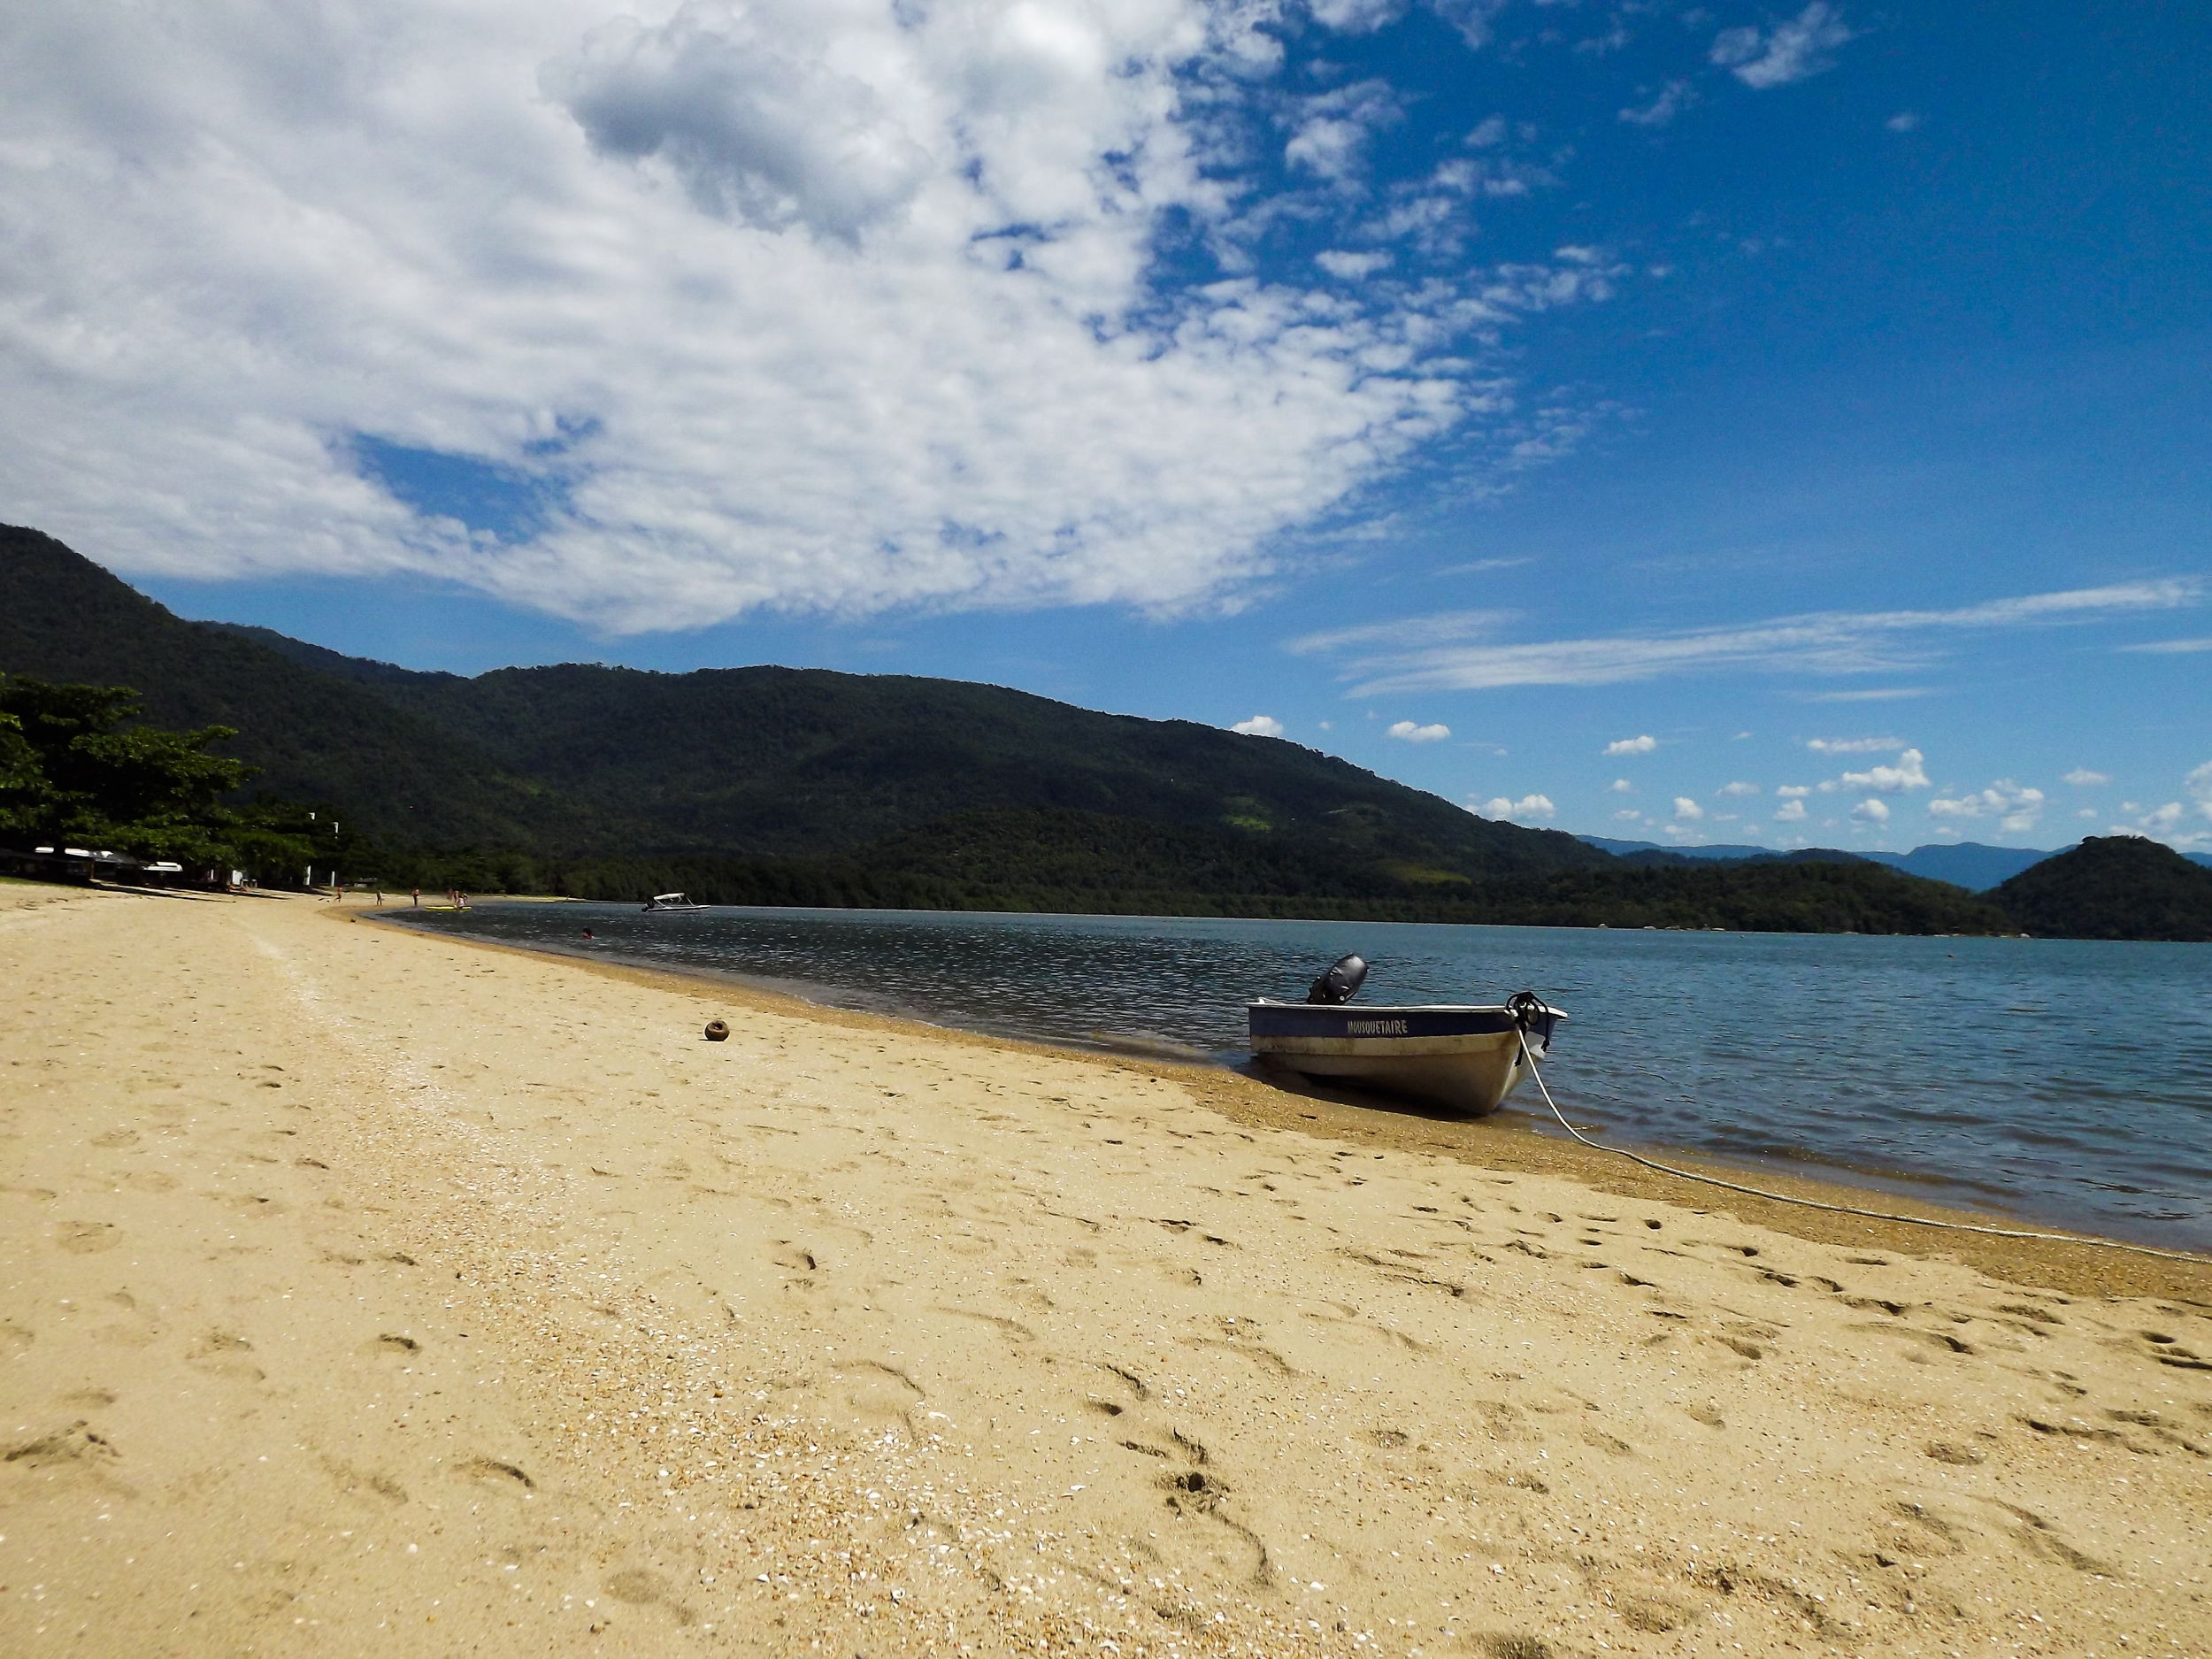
<point x="1789" y="51"/>
<point x="2083" y="778"/>
<point x="1333" y="129"/>
<point x="1853" y="745"/>
<point x="1528" y="808"/>
<point x="748" y="113"/>
<point x="1259" y="725"/>
<point x="1791" y="812"/>
<point x="2177" y="822"/>
<point x="1450" y="652"/>
<point x="1739" y="789"/>
<point x="824" y="305"/>
<point x="1355" y="17"/>
<point x="1909" y="772"/>
<point x="2016" y="808"/>
<point x="1793" y="791"/>
<point x="1671" y="100"/>
<point x="1352" y="267"/>
<point x="1621" y="786"/>
<point x="1407" y="731"/>
<point x="1873" y="809"/>
<point x="1686" y="810"/>
<point x="1631" y="745"/>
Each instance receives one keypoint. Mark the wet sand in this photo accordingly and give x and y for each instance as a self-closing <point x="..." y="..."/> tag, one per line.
<point x="370" y="1291"/>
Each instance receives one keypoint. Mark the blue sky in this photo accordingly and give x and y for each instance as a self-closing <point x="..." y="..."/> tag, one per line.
<point x="1808" y="404"/>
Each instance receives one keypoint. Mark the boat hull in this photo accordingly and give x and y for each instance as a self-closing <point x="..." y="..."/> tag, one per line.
<point x="1466" y="1059"/>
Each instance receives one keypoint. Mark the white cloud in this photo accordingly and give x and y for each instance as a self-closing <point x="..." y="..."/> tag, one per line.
<point x="1445" y="652"/>
<point x="1471" y="18"/>
<point x="1352" y="267"/>
<point x="1904" y="121"/>
<point x="2017" y="809"/>
<point x="1259" y="725"/>
<point x="1879" y="694"/>
<point x="1791" y="791"/>
<point x="2088" y="811"/>
<point x="1686" y="810"/>
<point x="1407" y="731"/>
<point x="1355" y="17"/>
<point x="2174" y="823"/>
<point x="2082" y="778"/>
<point x="828" y="305"/>
<point x="1526" y="810"/>
<point x="1853" y="745"/>
<point x="1739" y="789"/>
<point x="2170" y="647"/>
<point x="1791" y="812"/>
<point x="1631" y="745"/>
<point x="1873" y="809"/>
<point x="1909" y="772"/>
<point x="1628" y="815"/>
<point x="1476" y="567"/>
<point x="753" y="119"/>
<point x="1672" y="99"/>
<point x="1621" y="786"/>
<point x="1334" y="127"/>
<point x="1790" y="52"/>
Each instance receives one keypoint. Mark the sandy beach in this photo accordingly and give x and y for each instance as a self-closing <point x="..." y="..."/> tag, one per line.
<point x="367" y="1291"/>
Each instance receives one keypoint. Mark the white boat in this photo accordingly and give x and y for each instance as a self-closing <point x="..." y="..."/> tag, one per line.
<point x="670" y="902"/>
<point x="1465" y="1057"/>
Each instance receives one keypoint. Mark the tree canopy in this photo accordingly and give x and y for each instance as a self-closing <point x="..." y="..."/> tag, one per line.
<point x="75" y="765"/>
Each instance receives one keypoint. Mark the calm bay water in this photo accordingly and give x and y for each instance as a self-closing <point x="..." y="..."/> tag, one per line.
<point x="2060" y="1081"/>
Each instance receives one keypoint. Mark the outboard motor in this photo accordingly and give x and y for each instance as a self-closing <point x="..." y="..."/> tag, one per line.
<point x="1340" y="983"/>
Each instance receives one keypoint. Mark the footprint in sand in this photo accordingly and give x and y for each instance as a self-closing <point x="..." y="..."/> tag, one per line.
<point x="221" y="1351"/>
<point x="492" y="1472"/>
<point x="641" y="1589"/>
<point x="77" y="1448"/>
<point x="88" y="1238"/>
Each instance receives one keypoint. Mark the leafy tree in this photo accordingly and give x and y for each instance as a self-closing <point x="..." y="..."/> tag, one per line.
<point x="71" y="767"/>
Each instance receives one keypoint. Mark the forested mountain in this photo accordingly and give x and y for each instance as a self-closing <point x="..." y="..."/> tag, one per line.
<point x="314" y="736"/>
<point x="2113" y="887"/>
<point x="580" y="761"/>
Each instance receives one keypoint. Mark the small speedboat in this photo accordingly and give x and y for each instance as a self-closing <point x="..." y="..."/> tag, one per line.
<point x="670" y="902"/>
<point x="1468" y="1057"/>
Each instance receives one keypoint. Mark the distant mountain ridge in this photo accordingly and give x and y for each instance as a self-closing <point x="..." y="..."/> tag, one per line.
<point x="1973" y="865"/>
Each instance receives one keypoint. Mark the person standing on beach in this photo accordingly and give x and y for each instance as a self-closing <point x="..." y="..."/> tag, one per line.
<point x="414" y="898"/>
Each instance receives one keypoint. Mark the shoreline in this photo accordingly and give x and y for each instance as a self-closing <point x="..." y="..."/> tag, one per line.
<point x="367" y="1290"/>
<point x="1500" y="1142"/>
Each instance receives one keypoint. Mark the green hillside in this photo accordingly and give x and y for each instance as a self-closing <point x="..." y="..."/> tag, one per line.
<point x="312" y="736"/>
<point x="578" y="762"/>
<point x="2112" y="886"/>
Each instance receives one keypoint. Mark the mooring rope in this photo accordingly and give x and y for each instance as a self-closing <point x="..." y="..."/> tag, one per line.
<point x="1529" y="1060"/>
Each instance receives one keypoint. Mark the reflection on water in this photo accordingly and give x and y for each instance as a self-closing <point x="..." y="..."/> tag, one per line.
<point x="2064" y="1080"/>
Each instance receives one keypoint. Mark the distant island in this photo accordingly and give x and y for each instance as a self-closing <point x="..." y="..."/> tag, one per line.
<point x="1973" y="865"/>
<point x="779" y="786"/>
